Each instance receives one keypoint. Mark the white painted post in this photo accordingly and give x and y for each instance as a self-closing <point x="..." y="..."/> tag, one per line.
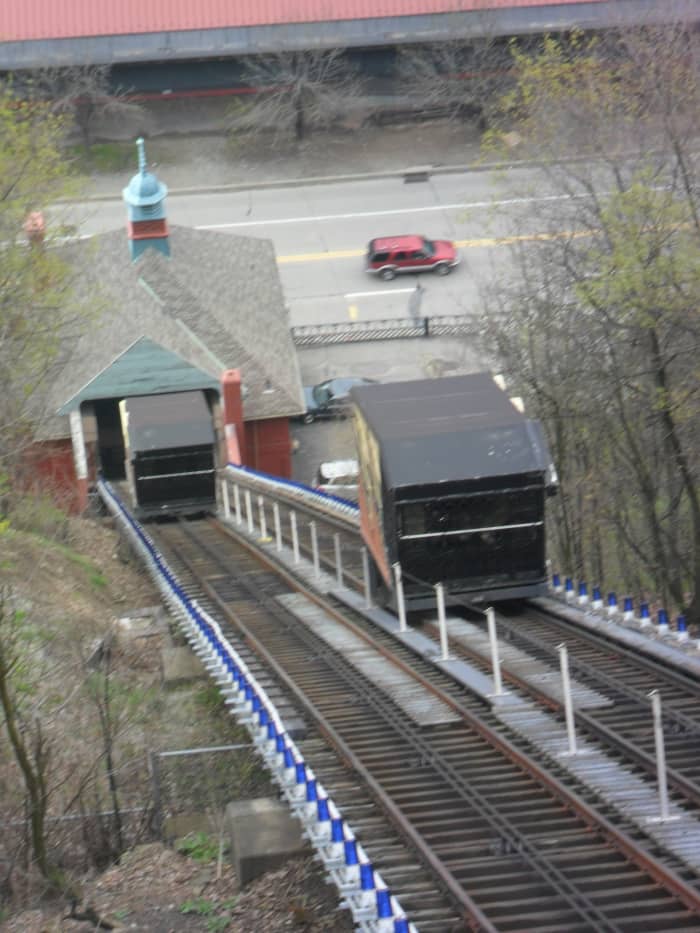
<point x="278" y="526"/>
<point x="442" y="621"/>
<point x="314" y="549"/>
<point x="365" y="574"/>
<point x="295" y="536"/>
<point x="263" y="519"/>
<point x="249" y="511"/>
<point x="225" y="500"/>
<point x="400" y="601"/>
<point x="78" y="441"/>
<point x="660" y="754"/>
<point x="237" y="503"/>
<point x="495" y="659"/>
<point x="568" y="705"/>
<point x="338" y="559"/>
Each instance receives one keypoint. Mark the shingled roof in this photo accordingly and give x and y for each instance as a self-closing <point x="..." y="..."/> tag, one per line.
<point x="216" y="302"/>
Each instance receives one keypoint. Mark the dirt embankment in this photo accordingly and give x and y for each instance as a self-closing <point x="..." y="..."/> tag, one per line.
<point x="72" y="584"/>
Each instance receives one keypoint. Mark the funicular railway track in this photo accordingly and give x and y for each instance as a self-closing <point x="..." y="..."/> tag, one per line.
<point x="622" y="676"/>
<point x="625" y="678"/>
<point x="503" y="844"/>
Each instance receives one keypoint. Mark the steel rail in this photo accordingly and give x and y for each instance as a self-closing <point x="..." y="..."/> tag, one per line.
<point x="685" y="787"/>
<point x="591" y="673"/>
<point x="622" y="841"/>
<point x="537" y="860"/>
<point x="471" y="911"/>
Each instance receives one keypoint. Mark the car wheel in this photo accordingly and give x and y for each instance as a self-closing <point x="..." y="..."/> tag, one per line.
<point x="387" y="274"/>
<point x="308" y="418"/>
<point x="442" y="269"/>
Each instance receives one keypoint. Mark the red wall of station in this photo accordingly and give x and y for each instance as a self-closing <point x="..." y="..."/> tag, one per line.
<point x="269" y="446"/>
<point x="49" y="467"/>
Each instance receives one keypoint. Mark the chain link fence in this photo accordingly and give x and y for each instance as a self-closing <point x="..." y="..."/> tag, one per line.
<point x="188" y="784"/>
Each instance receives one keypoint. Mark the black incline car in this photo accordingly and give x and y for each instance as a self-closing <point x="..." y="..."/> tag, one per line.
<point x="453" y="481"/>
<point x="170" y="453"/>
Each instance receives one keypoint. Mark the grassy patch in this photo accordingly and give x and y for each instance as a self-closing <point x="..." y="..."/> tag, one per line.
<point x="103" y="157"/>
<point x="38" y="515"/>
<point x="199" y="906"/>
<point x="94" y="574"/>
<point x="210" y="698"/>
<point x="198" y="846"/>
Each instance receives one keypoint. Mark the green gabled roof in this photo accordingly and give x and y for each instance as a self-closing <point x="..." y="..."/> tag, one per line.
<point x="144" y="368"/>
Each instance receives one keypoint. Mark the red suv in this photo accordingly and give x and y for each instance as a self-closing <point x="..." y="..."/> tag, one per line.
<point x="389" y="255"/>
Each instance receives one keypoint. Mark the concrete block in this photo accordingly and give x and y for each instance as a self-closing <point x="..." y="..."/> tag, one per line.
<point x="262" y="835"/>
<point x="181" y="666"/>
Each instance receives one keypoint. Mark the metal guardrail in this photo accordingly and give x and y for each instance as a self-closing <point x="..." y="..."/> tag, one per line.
<point x="442" y="325"/>
<point x="375" y="909"/>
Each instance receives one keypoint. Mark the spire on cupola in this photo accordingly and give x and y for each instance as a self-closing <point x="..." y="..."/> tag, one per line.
<point x="145" y="197"/>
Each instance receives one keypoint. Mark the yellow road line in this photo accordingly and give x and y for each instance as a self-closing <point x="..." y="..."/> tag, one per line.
<point x="315" y="257"/>
<point x="461" y="244"/>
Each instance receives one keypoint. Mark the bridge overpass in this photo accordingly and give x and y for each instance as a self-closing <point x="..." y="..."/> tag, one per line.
<point x="78" y="32"/>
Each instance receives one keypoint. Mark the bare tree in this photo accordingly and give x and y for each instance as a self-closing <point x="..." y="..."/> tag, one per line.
<point x="457" y="77"/>
<point x="296" y="92"/>
<point x="25" y="732"/>
<point x="85" y="94"/>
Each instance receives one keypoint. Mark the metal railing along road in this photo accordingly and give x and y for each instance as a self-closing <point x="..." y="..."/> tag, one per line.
<point x="441" y="325"/>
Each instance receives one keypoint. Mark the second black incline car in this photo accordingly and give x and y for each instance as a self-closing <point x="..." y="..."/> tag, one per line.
<point x="453" y="481"/>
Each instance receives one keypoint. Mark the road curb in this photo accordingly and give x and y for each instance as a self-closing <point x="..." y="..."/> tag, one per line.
<point x="317" y="180"/>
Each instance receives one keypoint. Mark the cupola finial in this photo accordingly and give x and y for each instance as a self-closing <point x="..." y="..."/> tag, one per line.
<point x="141" y="146"/>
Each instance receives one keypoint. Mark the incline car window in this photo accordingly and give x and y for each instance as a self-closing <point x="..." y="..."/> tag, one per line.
<point x="516" y="507"/>
<point x="380" y="257"/>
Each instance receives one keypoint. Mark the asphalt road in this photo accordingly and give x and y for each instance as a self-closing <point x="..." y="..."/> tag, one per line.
<point x="321" y="231"/>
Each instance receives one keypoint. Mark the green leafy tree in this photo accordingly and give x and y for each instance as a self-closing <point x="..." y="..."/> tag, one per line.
<point x="37" y="315"/>
<point x="600" y="322"/>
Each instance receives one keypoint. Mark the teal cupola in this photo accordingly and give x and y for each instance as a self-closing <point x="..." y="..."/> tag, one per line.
<point x="145" y="199"/>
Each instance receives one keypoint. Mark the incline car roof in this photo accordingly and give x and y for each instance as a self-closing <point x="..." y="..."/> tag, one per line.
<point x="455" y="428"/>
<point x="168" y="421"/>
<point x="386" y="244"/>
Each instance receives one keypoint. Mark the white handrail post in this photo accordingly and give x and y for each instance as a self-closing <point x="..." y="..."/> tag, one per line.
<point x="568" y="705"/>
<point x="400" y="601"/>
<point x="314" y="549"/>
<point x="295" y="535"/>
<point x="224" y="499"/>
<point x="655" y="697"/>
<point x="442" y="621"/>
<point x="237" y="503"/>
<point x="365" y="574"/>
<point x="278" y="525"/>
<point x="338" y="559"/>
<point x="263" y="519"/>
<point x="495" y="659"/>
<point x="249" y="511"/>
